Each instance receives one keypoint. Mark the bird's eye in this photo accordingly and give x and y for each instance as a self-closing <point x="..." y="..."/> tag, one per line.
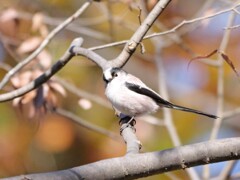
<point x="114" y="74"/>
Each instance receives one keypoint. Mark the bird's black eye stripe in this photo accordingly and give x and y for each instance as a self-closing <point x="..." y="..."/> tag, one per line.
<point x="114" y="71"/>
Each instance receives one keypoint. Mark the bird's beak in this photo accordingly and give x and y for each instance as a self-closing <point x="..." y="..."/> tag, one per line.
<point x="106" y="80"/>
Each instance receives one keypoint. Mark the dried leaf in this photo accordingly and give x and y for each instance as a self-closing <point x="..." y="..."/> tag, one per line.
<point x="21" y="79"/>
<point x="45" y="59"/>
<point x="85" y="103"/>
<point x="9" y="21"/>
<point x="36" y="73"/>
<point x="52" y="99"/>
<point x="16" y="101"/>
<point x="25" y="77"/>
<point x="9" y="15"/>
<point x="224" y="56"/>
<point x="46" y="90"/>
<point x="29" y="45"/>
<point x="28" y="97"/>
<point x="44" y="31"/>
<point x="38" y="24"/>
<point x="201" y="57"/>
<point x="31" y="113"/>
<point x="58" y="88"/>
<point x="15" y="81"/>
<point x="37" y="21"/>
<point x="227" y="60"/>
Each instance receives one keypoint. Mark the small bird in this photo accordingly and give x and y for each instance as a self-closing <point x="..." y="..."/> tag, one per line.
<point x="131" y="97"/>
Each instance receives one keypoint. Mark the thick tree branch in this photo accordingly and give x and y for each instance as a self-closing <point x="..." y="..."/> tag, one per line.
<point x="140" y="165"/>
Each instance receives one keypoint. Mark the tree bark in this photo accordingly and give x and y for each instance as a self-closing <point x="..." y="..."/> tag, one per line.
<point x="146" y="164"/>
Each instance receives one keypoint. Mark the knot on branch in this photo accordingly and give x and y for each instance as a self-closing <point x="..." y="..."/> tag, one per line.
<point x="132" y="45"/>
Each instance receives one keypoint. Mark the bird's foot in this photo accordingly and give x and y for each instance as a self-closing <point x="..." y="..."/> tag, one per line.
<point x="126" y="121"/>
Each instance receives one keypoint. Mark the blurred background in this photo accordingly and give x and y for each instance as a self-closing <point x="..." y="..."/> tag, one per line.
<point x="34" y="139"/>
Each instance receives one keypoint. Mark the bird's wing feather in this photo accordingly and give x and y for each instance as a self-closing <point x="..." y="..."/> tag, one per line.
<point x="160" y="101"/>
<point x="148" y="92"/>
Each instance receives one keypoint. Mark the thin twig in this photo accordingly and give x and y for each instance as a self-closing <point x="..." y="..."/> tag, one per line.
<point x="86" y="124"/>
<point x="5" y="66"/>
<point x="226" y="172"/>
<point x="220" y="88"/>
<point x="231" y="113"/>
<point x="168" y="120"/>
<point x="79" y="28"/>
<point x="81" y="93"/>
<point x="139" y="15"/>
<point x="172" y="30"/>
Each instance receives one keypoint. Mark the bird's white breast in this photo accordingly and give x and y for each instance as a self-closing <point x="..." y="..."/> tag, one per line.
<point x="126" y="101"/>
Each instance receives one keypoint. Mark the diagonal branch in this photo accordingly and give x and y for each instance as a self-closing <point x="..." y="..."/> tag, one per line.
<point x="72" y="51"/>
<point x="137" y="37"/>
<point x="45" y="76"/>
<point x="85" y="124"/>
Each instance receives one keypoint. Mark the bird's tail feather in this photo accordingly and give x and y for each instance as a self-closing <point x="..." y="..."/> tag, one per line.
<point x="193" y="111"/>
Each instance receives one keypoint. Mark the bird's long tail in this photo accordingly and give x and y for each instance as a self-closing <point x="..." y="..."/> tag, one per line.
<point x="162" y="102"/>
<point x="181" y="108"/>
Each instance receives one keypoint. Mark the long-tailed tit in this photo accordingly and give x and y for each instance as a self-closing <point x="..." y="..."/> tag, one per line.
<point x="130" y="96"/>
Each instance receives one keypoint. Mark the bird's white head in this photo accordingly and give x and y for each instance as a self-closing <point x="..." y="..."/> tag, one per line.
<point x="111" y="73"/>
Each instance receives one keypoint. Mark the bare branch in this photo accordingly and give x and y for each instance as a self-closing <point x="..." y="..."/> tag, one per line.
<point x="146" y="164"/>
<point x="127" y="131"/>
<point x="220" y="88"/>
<point x="137" y="37"/>
<point x="94" y="57"/>
<point x="172" y="30"/>
<point x="231" y="113"/>
<point x="185" y="22"/>
<point x="44" y="77"/>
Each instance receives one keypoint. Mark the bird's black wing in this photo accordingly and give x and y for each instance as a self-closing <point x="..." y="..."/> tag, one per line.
<point x="150" y="93"/>
<point x="161" y="102"/>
